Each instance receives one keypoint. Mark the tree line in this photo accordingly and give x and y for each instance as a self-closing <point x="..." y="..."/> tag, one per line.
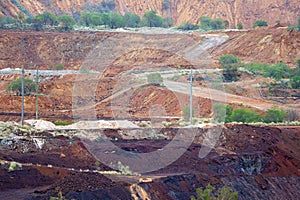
<point x="65" y="22"/>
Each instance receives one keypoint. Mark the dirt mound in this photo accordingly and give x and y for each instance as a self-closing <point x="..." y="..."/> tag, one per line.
<point x="265" y="45"/>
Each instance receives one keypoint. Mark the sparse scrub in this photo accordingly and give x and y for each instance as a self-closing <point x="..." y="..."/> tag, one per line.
<point x="210" y="193"/>
<point x="125" y="170"/>
<point x="13" y="165"/>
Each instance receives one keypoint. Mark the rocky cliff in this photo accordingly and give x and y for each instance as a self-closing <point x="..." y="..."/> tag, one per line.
<point x="245" y="11"/>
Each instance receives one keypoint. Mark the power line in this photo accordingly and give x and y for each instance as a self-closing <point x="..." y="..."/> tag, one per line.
<point x="22" y="115"/>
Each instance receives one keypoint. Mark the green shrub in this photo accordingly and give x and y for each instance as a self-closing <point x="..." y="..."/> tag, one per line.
<point x="295" y="82"/>
<point x="240" y="26"/>
<point x="16" y="86"/>
<point x="274" y="115"/>
<point x="244" y="115"/>
<point x="155" y="79"/>
<point x="62" y="123"/>
<point x="260" y="23"/>
<point x="210" y="193"/>
<point x="59" y="67"/>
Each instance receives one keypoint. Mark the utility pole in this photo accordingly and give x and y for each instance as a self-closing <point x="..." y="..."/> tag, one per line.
<point x="191" y="96"/>
<point x="37" y="94"/>
<point x="22" y="115"/>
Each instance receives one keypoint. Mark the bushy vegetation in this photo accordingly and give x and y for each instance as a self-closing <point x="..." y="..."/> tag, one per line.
<point x="230" y="64"/>
<point x="224" y="113"/>
<point x="16" y="86"/>
<point x="278" y="72"/>
<point x="210" y="193"/>
<point x="244" y="115"/>
<point x="260" y="23"/>
<point x="274" y="115"/>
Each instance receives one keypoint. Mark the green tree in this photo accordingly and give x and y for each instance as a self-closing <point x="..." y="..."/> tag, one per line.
<point x="218" y="24"/>
<point x="16" y="86"/>
<point x="260" y="23"/>
<point x="240" y="26"/>
<point x="96" y="19"/>
<point x="298" y="24"/>
<point x="105" y="19"/>
<point x="151" y="19"/>
<point x="90" y="19"/>
<point x="132" y="20"/>
<point x="85" y="19"/>
<point x="66" y="22"/>
<point x="244" y="115"/>
<point x="210" y="193"/>
<point x="230" y="64"/>
<point x="155" y="79"/>
<point x="188" y="26"/>
<point x="274" y="115"/>
<point x="206" y="23"/>
<point x="48" y="18"/>
<point x="116" y="20"/>
<point x="37" y="23"/>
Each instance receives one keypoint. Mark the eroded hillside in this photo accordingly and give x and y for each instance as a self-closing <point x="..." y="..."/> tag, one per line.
<point x="234" y="10"/>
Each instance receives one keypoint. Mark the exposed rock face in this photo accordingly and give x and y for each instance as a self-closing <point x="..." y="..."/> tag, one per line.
<point x="245" y="11"/>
